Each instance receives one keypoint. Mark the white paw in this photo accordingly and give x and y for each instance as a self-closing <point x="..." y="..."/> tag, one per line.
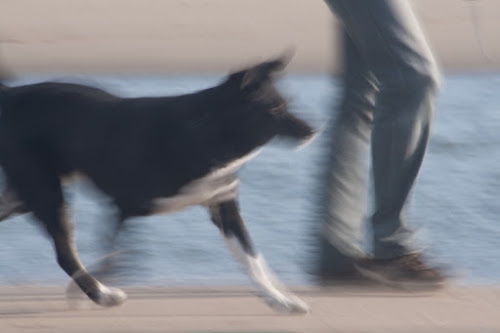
<point x="107" y="296"/>
<point x="290" y="304"/>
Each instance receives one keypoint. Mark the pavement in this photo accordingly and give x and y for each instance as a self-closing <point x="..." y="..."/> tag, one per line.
<point x="234" y="309"/>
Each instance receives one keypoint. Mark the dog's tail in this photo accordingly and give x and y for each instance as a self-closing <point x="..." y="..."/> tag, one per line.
<point x="5" y="74"/>
<point x="3" y="77"/>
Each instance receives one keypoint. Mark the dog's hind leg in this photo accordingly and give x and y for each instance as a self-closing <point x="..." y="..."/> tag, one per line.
<point x="226" y="217"/>
<point x="107" y="267"/>
<point x="10" y="205"/>
<point x="46" y="202"/>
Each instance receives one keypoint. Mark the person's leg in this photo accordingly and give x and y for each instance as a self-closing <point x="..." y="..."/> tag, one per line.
<point x="388" y="36"/>
<point x="345" y="186"/>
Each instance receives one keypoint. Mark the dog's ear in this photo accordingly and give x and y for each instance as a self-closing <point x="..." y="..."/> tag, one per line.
<point x="254" y="76"/>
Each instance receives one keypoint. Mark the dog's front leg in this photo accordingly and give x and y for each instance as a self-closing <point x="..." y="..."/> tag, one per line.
<point x="226" y="217"/>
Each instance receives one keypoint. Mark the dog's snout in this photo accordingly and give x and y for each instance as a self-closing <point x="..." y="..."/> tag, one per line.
<point x="295" y="128"/>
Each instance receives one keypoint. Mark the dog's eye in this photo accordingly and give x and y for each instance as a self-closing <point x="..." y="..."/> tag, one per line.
<point x="277" y="109"/>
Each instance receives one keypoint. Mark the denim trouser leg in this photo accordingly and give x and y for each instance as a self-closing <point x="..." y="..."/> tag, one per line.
<point x="389" y="85"/>
<point x="344" y="190"/>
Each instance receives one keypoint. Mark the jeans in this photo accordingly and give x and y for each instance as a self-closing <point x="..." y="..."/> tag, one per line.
<point x="389" y="83"/>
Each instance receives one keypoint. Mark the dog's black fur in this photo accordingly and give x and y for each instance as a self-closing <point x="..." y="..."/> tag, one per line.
<point x="137" y="150"/>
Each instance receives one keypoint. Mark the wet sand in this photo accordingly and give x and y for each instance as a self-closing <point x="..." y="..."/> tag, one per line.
<point x="455" y="309"/>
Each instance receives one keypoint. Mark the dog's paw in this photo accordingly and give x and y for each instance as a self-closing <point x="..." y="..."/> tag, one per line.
<point x="106" y="296"/>
<point x="290" y="304"/>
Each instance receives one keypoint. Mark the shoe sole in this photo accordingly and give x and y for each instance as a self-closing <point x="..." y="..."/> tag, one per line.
<point x="402" y="285"/>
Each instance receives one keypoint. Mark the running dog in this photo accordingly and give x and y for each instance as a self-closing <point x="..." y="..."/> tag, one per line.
<point x="149" y="155"/>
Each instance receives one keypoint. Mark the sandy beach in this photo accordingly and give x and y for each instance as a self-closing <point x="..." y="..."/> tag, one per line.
<point x="456" y="309"/>
<point x="198" y="36"/>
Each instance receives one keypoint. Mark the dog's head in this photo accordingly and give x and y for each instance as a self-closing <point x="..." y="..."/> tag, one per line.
<point x="263" y="108"/>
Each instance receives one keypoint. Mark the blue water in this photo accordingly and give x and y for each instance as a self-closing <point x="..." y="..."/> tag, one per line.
<point x="455" y="205"/>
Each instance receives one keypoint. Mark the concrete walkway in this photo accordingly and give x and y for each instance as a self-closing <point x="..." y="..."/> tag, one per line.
<point x="456" y="309"/>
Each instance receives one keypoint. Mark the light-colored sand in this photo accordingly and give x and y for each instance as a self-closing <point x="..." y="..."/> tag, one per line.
<point x="159" y="36"/>
<point x="457" y="310"/>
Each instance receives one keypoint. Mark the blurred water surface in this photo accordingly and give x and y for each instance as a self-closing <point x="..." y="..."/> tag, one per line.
<point x="455" y="205"/>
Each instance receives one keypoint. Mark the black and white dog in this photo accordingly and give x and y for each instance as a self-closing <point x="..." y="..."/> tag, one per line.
<point x="149" y="155"/>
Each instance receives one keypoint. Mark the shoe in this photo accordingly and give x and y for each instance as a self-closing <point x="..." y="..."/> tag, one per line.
<point x="336" y="268"/>
<point x="405" y="272"/>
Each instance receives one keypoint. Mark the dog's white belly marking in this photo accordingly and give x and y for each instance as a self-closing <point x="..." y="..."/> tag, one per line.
<point x="274" y="292"/>
<point x="217" y="186"/>
<point x="200" y="192"/>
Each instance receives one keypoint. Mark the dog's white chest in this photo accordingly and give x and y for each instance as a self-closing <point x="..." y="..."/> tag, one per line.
<point x="217" y="186"/>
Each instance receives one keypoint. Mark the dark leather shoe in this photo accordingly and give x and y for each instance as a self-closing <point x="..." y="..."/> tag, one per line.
<point x="404" y="272"/>
<point x="336" y="268"/>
